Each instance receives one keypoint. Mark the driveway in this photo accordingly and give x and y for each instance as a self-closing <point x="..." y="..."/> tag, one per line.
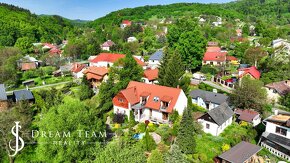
<point x="228" y="90"/>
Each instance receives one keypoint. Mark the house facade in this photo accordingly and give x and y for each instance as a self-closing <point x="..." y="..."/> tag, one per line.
<point x="96" y="75"/>
<point x="207" y="100"/>
<point x="277" y="89"/>
<point x="215" y="56"/>
<point x="108" y="59"/>
<point x="3" y="98"/>
<point x="249" y="116"/>
<point x="149" y="102"/>
<point x="217" y="119"/>
<point x="150" y="76"/>
<point x="77" y="70"/>
<point x="276" y="137"/>
<point x="252" y="72"/>
<point x="106" y="45"/>
<point x="155" y="59"/>
<point x="125" y="23"/>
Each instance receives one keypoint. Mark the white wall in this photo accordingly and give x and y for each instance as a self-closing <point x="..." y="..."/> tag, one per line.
<point x="101" y="64"/>
<point x="256" y="120"/>
<point x="156" y="114"/>
<point x="213" y="63"/>
<point x="121" y="110"/>
<point x="214" y="129"/>
<point x="199" y="101"/>
<point x="272" y="96"/>
<point x="106" y="48"/>
<point x="153" y="63"/>
<point x="181" y="103"/>
<point x="271" y="128"/>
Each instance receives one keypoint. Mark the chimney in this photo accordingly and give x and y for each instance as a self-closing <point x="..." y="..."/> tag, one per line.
<point x="276" y="112"/>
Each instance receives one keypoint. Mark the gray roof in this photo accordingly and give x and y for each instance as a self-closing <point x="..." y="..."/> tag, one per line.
<point x="207" y="96"/>
<point x="23" y="95"/>
<point x="240" y="152"/>
<point x="3" y="95"/>
<point x="157" y="55"/>
<point x="65" y="68"/>
<point x="280" y="140"/>
<point x="221" y="113"/>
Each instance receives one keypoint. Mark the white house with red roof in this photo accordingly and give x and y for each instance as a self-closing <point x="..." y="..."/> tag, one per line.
<point x="77" y="70"/>
<point x="108" y="59"/>
<point x="249" y="71"/>
<point x="125" y="23"/>
<point x="106" y="45"/>
<point x="150" y="76"/>
<point x="149" y="102"/>
<point x="216" y="56"/>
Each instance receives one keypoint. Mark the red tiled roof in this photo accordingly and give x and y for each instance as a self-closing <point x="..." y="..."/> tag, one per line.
<point x="215" y="56"/>
<point x="246" y="115"/>
<point x="127" y="22"/>
<point x="100" y="71"/>
<point x="28" y="66"/>
<point x="110" y="57"/>
<point x="108" y="43"/>
<point x="77" y="67"/>
<point x="213" y="49"/>
<point x="135" y="89"/>
<point x="55" y="51"/>
<point x="151" y="74"/>
<point x="231" y="58"/>
<point x="48" y="45"/>
<point x="251" y="71"/>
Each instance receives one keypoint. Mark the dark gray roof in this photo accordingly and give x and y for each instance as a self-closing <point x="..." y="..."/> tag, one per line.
<point x="221" y="113"/>
<point x="280" y="140"/>
<point x="157" y="55"/>
<point x="207" y="96"/>
<point x="240" y="152"/>
<point x="23" y="95"/>
<point x="3" y="95"/>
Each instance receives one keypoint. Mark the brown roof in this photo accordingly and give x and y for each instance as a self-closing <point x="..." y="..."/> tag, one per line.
<point x="77" y="67"/>
<point x="101" y="71"/>
<point x="246" y="115"/>
<point x="94" y="76"/>
<point x="28" y="66"/>
<point x="240" y="153"/>
<point x="282" y="87"/>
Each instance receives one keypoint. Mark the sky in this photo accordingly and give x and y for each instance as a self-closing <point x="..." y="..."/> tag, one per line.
<point x="89" y="9"/>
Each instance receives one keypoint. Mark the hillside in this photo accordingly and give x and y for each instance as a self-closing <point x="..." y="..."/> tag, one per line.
<point x="19" y="24"/>
<point x="250" y="10"/>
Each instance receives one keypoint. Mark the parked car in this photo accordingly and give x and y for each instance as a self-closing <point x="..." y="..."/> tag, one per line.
<point x="199" y="76"/>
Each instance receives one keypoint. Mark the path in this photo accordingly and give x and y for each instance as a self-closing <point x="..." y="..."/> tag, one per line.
<point x="229" y="90"/>
<point x="42" y="86"/>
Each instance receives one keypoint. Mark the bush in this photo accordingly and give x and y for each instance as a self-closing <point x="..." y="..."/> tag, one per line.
<point x="202" y="157"/>
<point x="173" y="117"/>
<point x="208" y="69"/>
<point x="226" y="147"/>
<point x="164" y="131"/>
<point x="141" y="128"/>
<point x="119" y="118"/>
<point x="152" y="127"/>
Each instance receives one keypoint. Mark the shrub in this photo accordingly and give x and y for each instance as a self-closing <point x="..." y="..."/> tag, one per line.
<point x="141" y="128"/>
<point x="226" y="147"/>
<point x="119" y="118"/>
<point x="202" y="157"/>
<point x="173" y="117"/>
<point x="152" y="127"/>
<point x="164" y="131"/>
<point x="208" y="69"/>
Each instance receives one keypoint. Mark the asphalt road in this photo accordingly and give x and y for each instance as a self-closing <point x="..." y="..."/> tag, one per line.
<point x="218" y="86"/>
<point x="42" y="86"/>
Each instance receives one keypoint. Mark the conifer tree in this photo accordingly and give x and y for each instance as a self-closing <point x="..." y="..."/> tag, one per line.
<point x="186" y="134"/>
<point x="175" y="155"/>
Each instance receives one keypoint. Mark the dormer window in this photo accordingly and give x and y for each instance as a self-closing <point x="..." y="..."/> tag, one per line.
<point x="156" y="99"/>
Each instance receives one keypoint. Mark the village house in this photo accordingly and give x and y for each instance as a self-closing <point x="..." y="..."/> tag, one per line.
<point x="150" y="76"/>
<point x="23" y="95"/>
<point x="96" y="75"/>
<point x="217" y="119"/>
<point x="239" y="32"/>
<point x="243" y="152"/>
<point x="28" y="63"/>
<point x="3" y="98"/>
<point x="125" y="23"/>
<point x="215" y="56"/>
<point x="155" y="59"/>
<point x="77" y="70"/>
<point x="206" y="99"/>
<point x="277" y="89"/>
<point x="212" y="44"/>
<point x="149" y="102"/>
<point x="278" y="43"/>
<point x="131" y="39"/>
<point x="276" y="137"/>
<point x="108" y="59"/>
<point x="249" y="116"/>
<point x="107" y="45"/>
<point x="249" y="71"/>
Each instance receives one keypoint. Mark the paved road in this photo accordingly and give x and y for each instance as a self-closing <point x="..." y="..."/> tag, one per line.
<point x="229" y="90"/>
<point x="43" y="86"/>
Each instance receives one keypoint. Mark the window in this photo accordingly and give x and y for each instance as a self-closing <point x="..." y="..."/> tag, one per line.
<point x="120" y="100"/>
<point x="207" y="126"/>
<point x="281" y="131"/>
<point x="156" y="99"/>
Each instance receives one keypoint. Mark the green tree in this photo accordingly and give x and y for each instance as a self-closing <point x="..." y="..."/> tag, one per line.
<point x="25" y="44"/>
<point x="86" y="91"/>
<point x="186" y="134"/>
<point x="148" y="142"/>
<point x="155" y="157"/>
<point x="285" y="100"/>
<point x="250" y="94"/>
<point x="175" y="155"/>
